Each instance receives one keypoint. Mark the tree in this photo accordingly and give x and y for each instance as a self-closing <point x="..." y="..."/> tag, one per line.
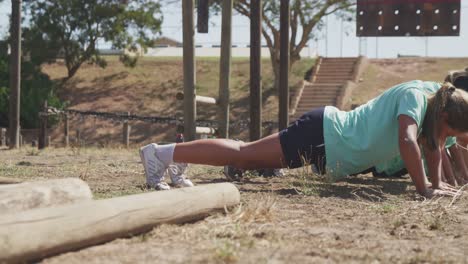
<point x="304" y="14"/>
<point x="36" y="87"/>
<point x="72" y="28"/>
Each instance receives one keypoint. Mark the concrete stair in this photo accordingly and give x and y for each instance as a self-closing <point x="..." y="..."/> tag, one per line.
<point x="327" y="85"/>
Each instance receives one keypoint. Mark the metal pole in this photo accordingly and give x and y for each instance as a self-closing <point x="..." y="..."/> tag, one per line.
<point x="126" y="132"/>
<point x="284" y="66"/>
<point x="42" y="144"/>
<point x="255" y="70"/>
<point x="189" y="70"/>
<point x="225" y="68"/>
<point x="426" y="40"/>
<point x="326" y="36"/>
<point x="341" y="38"/>
<point x="360" y="45"/>
<point x="15" y="74"/>
<point x="66" y="130"/>
<point x="376" y="47"/>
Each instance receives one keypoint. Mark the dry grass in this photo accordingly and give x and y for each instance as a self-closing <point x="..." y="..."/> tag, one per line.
<point x="361" y="219"/>
<point x="298" y="218"/>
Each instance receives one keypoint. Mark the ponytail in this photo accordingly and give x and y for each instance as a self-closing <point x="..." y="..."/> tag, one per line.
<point x="437" y="104"/>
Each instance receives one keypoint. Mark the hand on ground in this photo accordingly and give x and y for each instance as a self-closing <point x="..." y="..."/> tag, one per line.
<point x="447" y="187"/>
<point x="443" y="190"/>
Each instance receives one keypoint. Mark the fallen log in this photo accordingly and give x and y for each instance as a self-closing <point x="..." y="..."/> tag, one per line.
<point x="6" y="180"/>
<point x="35" y="234"/>
<point x="30" y="195"/>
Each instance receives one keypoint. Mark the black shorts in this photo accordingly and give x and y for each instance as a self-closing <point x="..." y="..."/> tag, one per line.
<point x="302" y="142"/>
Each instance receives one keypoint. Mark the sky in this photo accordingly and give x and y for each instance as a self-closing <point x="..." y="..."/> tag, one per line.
<point x="335" y="40"/>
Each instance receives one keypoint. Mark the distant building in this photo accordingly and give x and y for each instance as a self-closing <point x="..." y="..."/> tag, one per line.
<point x="166" y="42"/>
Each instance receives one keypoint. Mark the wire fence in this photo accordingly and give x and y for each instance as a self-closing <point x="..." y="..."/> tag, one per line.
<point x="125" y="117"/>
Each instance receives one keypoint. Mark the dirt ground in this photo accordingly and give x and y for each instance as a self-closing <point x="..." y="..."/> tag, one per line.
<point x="292" y="219"/>
<point x="298" y="218"/>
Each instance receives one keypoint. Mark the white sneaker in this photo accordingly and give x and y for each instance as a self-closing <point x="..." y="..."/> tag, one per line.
<point x="154" y="167"/>
<point x="162" y="186"/>
<point x="176" y="172"/>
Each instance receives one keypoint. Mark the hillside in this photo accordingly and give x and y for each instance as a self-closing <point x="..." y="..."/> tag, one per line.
<point x="150" y="89"/>
<point x="381" y="74"/>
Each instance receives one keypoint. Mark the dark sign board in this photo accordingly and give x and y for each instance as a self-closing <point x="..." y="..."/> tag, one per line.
<point x="203" y="15"/>
<point x="387" y="18"/>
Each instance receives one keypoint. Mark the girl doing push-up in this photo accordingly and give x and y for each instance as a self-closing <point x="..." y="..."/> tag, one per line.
<point x="339" y="143"/>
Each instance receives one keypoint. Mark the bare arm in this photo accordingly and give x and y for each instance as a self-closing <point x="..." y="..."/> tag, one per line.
<point x="410" y="152"/>
<point x="460" y="165"/>
<point x="447" y="169"/>
<point x="434" y="164"/>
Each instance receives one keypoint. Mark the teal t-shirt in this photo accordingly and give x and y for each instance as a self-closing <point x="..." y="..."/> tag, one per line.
<point x="368" y="135"/>
<point x="396" y="164"/>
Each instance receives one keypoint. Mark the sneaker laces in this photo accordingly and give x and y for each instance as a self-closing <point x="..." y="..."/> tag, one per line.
<point x="177" y="170"/>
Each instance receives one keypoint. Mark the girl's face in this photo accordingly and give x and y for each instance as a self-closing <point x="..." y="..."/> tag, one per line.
<point x="447" y="131"/>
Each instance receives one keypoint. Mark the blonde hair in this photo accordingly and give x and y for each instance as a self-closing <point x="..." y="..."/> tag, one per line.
<point x="452" y="101"/>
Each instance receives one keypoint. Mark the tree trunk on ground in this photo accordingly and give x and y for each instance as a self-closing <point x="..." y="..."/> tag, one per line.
<point x="35" y="234"/>
<point x="29" y="195"/>
<point x="6" y="180"/>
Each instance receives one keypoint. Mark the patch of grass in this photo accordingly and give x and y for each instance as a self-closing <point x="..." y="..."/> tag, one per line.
<point x="24" y="163"/>
<point x="259" y="211"/>
<point x="84" y="175"/>
<point x="226" y="252"/>
<point x="33" y="152"/>
<point x="385" y="208"/>
<point x="398" y="223"/>
<point x="306" y="187"/>
<point x="435" y="224"/>
<point x="75" y="149"/>
<point x="15" y="170"/>
<point x="424" y="257"/>
<point x="308" y="183"/>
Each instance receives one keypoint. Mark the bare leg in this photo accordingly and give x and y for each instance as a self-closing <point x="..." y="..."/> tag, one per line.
<point x="263" y="153"/>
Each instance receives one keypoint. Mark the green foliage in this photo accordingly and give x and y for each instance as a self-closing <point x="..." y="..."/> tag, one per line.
<point x="36" y="87"/>
<point x="72" y="28"/>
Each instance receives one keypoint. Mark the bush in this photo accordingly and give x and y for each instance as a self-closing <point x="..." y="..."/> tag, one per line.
<point x="36" y="87"/>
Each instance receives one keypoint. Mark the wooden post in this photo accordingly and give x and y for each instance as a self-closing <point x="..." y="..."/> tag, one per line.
<point x="35" y="234"/>
<point x="126" y="132"/>
<point x="15" y="74"/>
<point x="66" y="131"/>
<point x="21" y="140"/>
<point x="284" y="67"/>
<point x="42" y="144"/>
<point x="16" y="198"/>
<point x="225" y="69"/>
<point x="203" y="16"/>
<point x="78" y="137"/>
<point x="2" y="137"/>
<point x="190" y="110"/>
<point x="255" y="70"/>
